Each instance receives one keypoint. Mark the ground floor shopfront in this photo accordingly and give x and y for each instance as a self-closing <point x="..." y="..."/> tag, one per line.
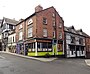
<point x="76" y="51"/>
<point x="11" y="47"/>
<point x="39" y="47"/>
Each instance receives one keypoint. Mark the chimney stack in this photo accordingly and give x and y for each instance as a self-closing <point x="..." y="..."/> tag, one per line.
<point x="38" y="8"/>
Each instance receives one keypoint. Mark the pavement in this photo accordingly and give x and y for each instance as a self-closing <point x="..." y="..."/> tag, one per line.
<point x="34" y="58"/>
<point x="87" y="61"/>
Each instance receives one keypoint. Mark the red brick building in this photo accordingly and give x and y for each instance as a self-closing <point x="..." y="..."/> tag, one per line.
<point x="41" y="33"/>
<point x="88" y="47"/>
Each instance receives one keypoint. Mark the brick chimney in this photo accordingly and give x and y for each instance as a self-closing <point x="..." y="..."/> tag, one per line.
<point x="38" y="8"/>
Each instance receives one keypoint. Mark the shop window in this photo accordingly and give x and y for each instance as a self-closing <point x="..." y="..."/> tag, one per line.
<point x="60" y="47"/>
<point x="82" y="49"/>
<point x="72" y="48"/>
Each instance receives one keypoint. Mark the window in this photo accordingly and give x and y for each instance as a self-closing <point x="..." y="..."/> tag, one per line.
<point x="13" y="39"/>
<point x="30" y="32"/>
<point x="53" y="22"/>
<point x="10" y="26"/>
<point x="44" y="21"/>
<point x="20" y="26"/>
<point x="72" y="48"/>
<point x="60" y="35"/>
<point x="10" y="40"/>
<point x="60" y="25"/>
<point x="5" y="35"/>
<point x="82" y="49"/>
<point x="30" y="21"/>
<point x="20" y="35"/>
<point x="54" y="34"/>
<point x="80" y="41"/>
<point x="53" y="14"/>
<point x="45" y="32"/>
<point x="60" y="47"/>
<point x="72" y="39"/>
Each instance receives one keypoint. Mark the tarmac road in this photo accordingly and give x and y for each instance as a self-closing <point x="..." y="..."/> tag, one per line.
<point x="10" y="64"/>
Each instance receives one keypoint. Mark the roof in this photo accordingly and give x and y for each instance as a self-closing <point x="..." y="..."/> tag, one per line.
<point x="10" y="21"/>
<point x="71" y="29"/>
<point x="39" y="12"/>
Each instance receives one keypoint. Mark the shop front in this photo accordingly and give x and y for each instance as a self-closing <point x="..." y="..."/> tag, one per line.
<point x="20" y="47"/>
<point x="43" y="48"/>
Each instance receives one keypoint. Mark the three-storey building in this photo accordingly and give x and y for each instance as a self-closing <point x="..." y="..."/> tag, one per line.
<point x="41" y="33"/>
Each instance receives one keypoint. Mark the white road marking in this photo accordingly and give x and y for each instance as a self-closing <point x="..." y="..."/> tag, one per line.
<point x="2" y="57"/>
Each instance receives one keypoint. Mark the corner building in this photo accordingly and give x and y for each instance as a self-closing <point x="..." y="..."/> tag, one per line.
<point x="41" y="33"/>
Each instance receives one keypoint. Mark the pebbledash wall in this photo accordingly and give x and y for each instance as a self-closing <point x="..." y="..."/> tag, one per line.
<point x="41" y="33"/>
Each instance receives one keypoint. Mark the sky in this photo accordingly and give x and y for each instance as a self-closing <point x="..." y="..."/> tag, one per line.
<point x="74" y="12"/>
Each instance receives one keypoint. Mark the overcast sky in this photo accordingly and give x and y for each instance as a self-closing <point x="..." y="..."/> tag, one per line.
<point x="74" y="12"/>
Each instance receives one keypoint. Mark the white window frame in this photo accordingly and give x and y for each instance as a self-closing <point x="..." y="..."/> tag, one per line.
<point x="30" y="31"/>
<point x="60" y="25"/>
<point x="45" y="32"/>
<point x="30" y="21"/>
<point x="53" y="14"/>
<point x="44" y="20"/>
<point x="20" y="35"/>
<point x="20" y="27"/>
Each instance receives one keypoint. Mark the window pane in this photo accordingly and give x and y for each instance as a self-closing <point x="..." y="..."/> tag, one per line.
<point x="30" y="32"/>
<point x="45" y="32"/>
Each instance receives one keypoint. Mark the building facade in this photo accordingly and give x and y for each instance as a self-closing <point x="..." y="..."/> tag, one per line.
<point x="41" y="33"/>
<point x="12" y="41"/>
<point x="0" y="36"/>
<point x="7" y="25"/>
<point x="88" y="47"/>
<point x="74" y="42"/>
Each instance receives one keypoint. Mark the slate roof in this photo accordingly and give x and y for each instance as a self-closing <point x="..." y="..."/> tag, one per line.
<point x="10" y="21"/>
<point x="78" y="32"/>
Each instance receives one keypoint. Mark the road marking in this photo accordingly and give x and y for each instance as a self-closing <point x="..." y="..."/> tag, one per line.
<point x="2" y="57"/>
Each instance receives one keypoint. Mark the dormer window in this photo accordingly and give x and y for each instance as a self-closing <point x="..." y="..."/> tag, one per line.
<point x="44" y="20"/>
<point x="30" y="21"/>
<point x="20" y="27"/>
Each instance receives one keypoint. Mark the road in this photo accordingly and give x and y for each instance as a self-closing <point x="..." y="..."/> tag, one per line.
<point x="10" y="64"/>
